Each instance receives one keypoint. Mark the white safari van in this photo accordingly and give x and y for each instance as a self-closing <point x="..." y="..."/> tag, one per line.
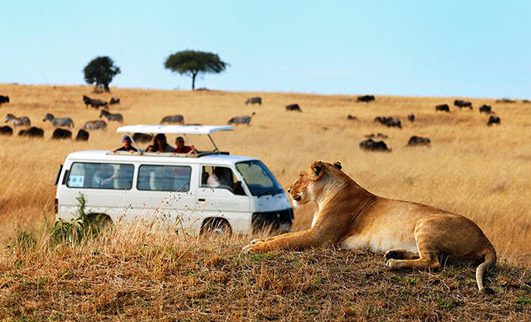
<point x="245" y="198"/>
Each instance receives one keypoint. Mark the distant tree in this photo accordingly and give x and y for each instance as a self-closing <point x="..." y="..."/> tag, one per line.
<point x="193" y="62"/>
<point x="100" y="71"/>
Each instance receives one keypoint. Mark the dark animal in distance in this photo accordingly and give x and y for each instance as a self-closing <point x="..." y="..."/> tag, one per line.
<point x="33" y="132"/>
<point x="18" y="121"/>
<point x="95" y="125"/>
<point x="442" y="108"/>
<point x="254" y="100"/>
<point x="118" y="117"/>
<point x="526" y="101"/>
<point x="6" y="130"/>
<point x="463" y="104"/>
<point x="351" y="117"/>
<point x="293" y="107"/>
<point x="487" y="109"/>
<point x="82" y="135"/>
<point x="493" y="119"/>
<point x="114" y="100"/>
<point x="142" y="137"/>
<point x="411" y="117"/>
<point x="506" y="100"/>
<point x="418" y="140"/>
<point x="244" y="119"/>
<point x="371" y="145"/>
<point x="388" y="121"/>
<point x="94" y="102"/>
<point x="4" y="99"/>
<point x="58" y="121"/>
<point x="365" y="98"/>
<point x="172" y="119"/>
<point x="60" y="134"/>
<point x="378" y="135"/>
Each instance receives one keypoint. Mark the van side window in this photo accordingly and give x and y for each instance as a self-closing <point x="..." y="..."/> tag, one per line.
<point x="164" y="178"/>
<point x="112" y="176"/>
<point x="220" y="177"/>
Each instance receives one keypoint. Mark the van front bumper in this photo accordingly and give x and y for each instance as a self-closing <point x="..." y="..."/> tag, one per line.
<point x="273" y="222"/>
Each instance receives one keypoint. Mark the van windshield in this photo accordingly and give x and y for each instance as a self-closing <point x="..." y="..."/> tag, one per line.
<point x="258" y="178"/>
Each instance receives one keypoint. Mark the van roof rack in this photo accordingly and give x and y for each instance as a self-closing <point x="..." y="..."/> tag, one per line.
<point x="179" y="129"/>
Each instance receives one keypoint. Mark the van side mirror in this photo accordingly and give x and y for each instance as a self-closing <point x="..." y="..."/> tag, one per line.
<point x="238" y="189"/>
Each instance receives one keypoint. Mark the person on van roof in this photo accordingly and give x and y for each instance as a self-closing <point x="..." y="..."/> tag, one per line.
<point x="126" y="141"/>
<point x="182" y="148"/>
<point x="160" y="144"/>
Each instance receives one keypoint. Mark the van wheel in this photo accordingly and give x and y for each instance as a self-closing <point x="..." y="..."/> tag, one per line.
<point x="99" y="222"/>
<point x="216" y="227"/>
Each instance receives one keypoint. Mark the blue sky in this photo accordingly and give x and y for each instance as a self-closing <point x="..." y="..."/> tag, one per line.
<point x="421" y="48"/>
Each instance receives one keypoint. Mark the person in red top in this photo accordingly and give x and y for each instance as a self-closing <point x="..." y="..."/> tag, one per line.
<point x="182" y="148"/>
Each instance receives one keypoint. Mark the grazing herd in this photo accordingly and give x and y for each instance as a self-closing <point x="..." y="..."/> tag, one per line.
<point x="62" y="125"/>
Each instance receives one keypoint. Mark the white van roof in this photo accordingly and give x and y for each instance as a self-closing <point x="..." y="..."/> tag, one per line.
<point x="105" y="156"/>
<point x="174" y="129"/>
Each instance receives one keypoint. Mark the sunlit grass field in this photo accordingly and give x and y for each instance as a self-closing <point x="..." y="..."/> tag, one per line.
<point x="146" y="273"/>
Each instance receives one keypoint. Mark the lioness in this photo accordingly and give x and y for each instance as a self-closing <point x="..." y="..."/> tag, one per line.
<point x="412" y="235"/>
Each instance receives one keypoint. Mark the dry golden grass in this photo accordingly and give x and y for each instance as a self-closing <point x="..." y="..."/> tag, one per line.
<point x="142" y="274"/>
<point x="478" y="171"/>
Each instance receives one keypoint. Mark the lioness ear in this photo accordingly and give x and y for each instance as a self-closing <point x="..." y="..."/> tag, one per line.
<point x="317" y="168"/>
<point x="337" y="164"/>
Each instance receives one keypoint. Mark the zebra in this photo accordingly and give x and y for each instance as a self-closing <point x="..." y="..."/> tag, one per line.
<point x="112" y="116"/>
<point x="18" y="121"/>
<point x="95" y="125"/>
<point x="244" y="119"/>
<point x="58" y="121"/>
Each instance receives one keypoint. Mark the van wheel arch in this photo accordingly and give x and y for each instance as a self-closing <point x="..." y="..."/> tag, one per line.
<point x="101" y="221"/>
<point x="216" y="226"/>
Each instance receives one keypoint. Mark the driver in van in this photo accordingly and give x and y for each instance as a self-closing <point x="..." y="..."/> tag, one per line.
<point x="126" y="141"/>
<point x="220" y="178"/>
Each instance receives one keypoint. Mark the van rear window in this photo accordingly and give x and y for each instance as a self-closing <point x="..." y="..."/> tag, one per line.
<point x="112" y="176"/>
<point x="164" y="178"/>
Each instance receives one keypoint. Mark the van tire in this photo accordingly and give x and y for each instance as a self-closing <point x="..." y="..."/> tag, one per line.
<point x="100" y="222"/>
<point x="216" y="227"/>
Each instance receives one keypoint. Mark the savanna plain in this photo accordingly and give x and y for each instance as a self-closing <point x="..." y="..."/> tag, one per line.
<point x="146" y="272"/>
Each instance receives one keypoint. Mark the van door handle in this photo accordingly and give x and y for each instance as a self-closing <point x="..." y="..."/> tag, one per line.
<point x="201" y="199"/>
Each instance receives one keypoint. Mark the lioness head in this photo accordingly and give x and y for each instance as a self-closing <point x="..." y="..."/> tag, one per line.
<point x="310" y="183"/>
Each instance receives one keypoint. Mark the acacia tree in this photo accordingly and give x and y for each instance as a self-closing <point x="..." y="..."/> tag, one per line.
<point x="100" y="71"/>
<point x="193" y="62"/>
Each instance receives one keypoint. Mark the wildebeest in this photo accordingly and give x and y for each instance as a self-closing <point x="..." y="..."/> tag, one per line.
<point x="378" y="135"/>
<point x="293" y="107"/>
<point x="82" y="135"/>
<point x="172" y="119"/>
<point x="244" y="119"/>
<point x="526" y="101"/>
<point x="388" y="121"/>
<point x="463" y="104"/>
<point x="411" y="117"/>
<point x="418" y="140"/>
<point x="365" y="98"/>
<point x="6" y="130"/>
<point x="487" y="109"/>
<point x="118" y="117"/>
<point x="58" y="121"/>
<point x="442" y="108"/>
<point x="34" y="132"/>
<point x="93" y="102"/>
<point x="95" y="125"/>
<point x="351" y="117"/>
<point x="142" y="137"/>
<point x="18" y="121"/>
<point x="4" y="99"/>
<point x="254" y="100"/>
<point x="59" y="134"/>
<point x="493" y="119"/>
<point x="371" y="145"/>
<point x="114" y="100"/>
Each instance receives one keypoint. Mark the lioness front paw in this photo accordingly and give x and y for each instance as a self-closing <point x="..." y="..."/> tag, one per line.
<point x="248" y="249"/>
<point x="391" y="263"/>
